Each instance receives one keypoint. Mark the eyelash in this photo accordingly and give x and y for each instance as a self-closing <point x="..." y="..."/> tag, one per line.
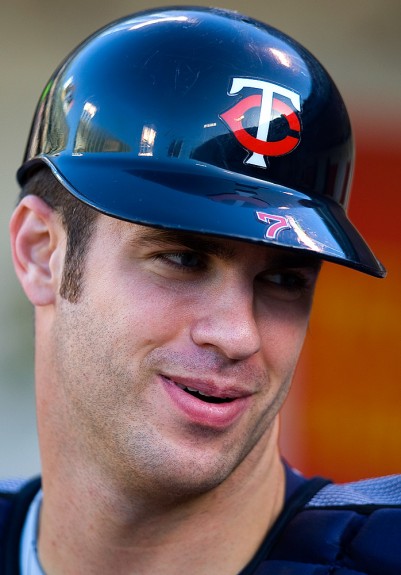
<point x="167" y="258"/>
<point x="291" y="280"/>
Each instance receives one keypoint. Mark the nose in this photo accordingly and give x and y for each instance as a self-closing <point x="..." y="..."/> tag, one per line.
<point x="226" y="321"/>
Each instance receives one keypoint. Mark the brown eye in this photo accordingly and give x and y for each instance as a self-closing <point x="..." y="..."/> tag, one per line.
<point x="287" y="285"/>
<point x="286" y="280"/>
<point x="186" y="260"/>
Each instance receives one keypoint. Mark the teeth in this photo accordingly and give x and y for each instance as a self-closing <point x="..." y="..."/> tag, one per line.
<point x="197" y="391"/>
<point x="184" y="388"/>
<point x="205" y="394"/>
<point x="192" y="390"/>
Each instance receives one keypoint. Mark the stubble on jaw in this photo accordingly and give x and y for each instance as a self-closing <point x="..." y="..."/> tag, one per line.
<point x="111" y="424"/>
<point x="106" y="358"/>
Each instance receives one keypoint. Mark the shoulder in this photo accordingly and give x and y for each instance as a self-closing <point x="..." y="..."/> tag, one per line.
<point x="8" y="490"/>
<point x="352" y="528"/>
<point x="17" y="493"/>
<point x="357" y="524"/>
<point x="16" y="496"/>
<point x="377" y="492"/>
<point x="9" y="486"/>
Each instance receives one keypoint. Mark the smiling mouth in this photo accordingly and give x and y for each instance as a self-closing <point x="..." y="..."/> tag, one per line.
<point x="206" y="398"/>
<point x="207" y="402"/>
<point x="201" y="395"/>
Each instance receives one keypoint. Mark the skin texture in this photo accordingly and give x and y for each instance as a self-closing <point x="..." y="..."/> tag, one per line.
<point x="142" y="473"/>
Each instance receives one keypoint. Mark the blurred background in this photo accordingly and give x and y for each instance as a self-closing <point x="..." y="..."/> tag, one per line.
<point x="343" y="417"/>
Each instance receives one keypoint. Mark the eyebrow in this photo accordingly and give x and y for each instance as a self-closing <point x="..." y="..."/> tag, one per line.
<point x="188" y="240"/>
<point x="278" y="257"/>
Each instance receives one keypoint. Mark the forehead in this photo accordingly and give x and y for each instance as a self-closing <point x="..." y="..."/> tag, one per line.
<point x="147" y="237"/>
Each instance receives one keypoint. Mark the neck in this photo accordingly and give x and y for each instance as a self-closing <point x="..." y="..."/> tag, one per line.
<point x="106" y="531"/>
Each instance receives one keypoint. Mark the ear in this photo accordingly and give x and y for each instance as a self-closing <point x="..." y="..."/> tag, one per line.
<point x="38" y="245"/>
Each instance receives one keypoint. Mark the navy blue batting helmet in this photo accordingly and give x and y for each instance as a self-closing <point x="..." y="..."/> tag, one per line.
<point x="203" y="120"/>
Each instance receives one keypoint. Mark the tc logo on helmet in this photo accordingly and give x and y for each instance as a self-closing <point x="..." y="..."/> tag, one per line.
<point x="271" y="106"/>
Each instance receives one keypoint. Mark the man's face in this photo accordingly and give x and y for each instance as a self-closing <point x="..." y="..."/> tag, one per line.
<point x="174" y="362"/>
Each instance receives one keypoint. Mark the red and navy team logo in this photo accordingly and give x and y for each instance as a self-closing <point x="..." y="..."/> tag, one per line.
<point x="273" y="102"/>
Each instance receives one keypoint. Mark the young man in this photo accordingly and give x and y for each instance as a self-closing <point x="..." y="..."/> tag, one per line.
<point x="186" y="175"/>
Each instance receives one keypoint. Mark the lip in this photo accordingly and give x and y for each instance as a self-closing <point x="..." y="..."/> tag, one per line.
<point x="197" y="411"/>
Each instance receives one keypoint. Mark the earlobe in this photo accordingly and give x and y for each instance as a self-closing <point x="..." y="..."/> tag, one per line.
<point x="37" y="243"/>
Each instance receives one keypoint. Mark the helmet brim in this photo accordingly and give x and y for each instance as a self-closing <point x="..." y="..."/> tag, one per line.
<point x="196" y="197"/>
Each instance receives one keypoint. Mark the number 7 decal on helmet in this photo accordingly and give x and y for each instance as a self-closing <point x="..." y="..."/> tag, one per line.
<point x="275" y="224"/>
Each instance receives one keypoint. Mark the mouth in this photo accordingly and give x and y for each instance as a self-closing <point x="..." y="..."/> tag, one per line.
<point x="204" y="396"/>
<point x="206" y="391"/>
<point x="205" y="402"/>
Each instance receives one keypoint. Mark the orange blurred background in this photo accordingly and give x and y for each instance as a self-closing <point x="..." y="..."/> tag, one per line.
<point x="343" y="416"/>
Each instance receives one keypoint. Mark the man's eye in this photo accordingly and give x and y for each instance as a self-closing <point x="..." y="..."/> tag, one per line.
<point x="288" y="285"/>
<point x="287" y="280"/>
<point x="184" y="260"/>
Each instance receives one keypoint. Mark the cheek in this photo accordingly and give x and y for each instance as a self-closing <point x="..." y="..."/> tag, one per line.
<point x="140" y="314"/>
<point x="282" y="339"/>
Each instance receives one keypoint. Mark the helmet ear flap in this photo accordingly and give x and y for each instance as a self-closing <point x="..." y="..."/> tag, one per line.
<point x="132" y="125"/>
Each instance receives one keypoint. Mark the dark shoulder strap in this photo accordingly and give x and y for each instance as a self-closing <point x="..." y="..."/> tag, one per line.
<point x="297" y="501"/>
<point x="13" y="510"/>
